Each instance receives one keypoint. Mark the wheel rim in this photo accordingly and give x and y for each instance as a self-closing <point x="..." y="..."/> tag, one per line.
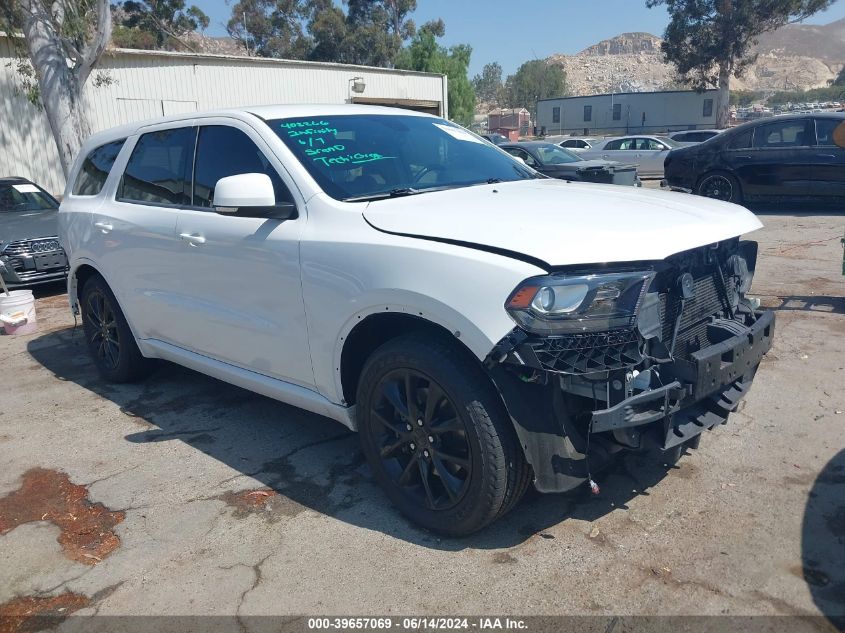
<point x="103" y="335"/>
<point x="421" y="440"/>
<point x="718" y="187"/>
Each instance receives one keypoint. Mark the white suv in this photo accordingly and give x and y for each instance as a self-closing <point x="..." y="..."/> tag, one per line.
<point x="482" y="327"/>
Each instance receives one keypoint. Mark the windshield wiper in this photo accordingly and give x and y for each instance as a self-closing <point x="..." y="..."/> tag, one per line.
<point x="393" y="193"/>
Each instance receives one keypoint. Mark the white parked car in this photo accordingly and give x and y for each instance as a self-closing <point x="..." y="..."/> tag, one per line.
<point x="579" y="143"/>
<point x="482" y="327"/>
<point x="646" y="152"/>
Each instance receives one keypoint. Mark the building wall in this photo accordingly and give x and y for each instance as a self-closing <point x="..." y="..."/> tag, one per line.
<point x="151" y="84"/>
<point x="664" y="111"/>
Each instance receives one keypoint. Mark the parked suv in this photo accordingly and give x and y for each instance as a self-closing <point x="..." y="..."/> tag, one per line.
<point x="482" y="327"/>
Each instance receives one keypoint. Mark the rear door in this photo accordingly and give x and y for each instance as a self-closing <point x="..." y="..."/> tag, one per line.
<point x="829" y="170"/>
<point x="650" y="155"/>
<point x="779" y="162"/>
<point x="134" y="235"/>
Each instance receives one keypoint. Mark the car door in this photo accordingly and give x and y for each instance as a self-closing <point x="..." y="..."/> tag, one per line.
<point x="134" y="238"/>
<point x="616" y="149"/>
<point x="779" y="161"/>
<point x="650" y="155"/>
<point x="829" y="171"/>
<point x="242" y="293"/>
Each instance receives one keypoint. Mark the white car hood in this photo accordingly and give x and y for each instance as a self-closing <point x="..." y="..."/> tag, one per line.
<point x="562" y="223"/>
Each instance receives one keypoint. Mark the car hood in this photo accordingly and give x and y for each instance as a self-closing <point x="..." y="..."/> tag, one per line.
<point x="22" y="225"/>
<point x="558" y="223"/>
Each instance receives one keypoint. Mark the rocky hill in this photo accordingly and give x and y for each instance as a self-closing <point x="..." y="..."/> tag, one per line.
<point x="794" y="57"/>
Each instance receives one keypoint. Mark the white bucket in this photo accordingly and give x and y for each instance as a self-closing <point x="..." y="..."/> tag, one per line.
<point x="17" y="312"/>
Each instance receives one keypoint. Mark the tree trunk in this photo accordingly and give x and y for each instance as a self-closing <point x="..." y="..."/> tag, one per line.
<point x="62" y="72"/>
<point x="723" y="100"/>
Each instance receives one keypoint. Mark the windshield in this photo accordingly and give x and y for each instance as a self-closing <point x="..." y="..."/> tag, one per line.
<point x="24" y="197"/>
<point x="356" y="156"/>
<point x="554" y="155"/>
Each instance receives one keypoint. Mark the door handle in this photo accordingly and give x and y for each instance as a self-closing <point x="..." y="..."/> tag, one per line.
<point x="192" y="239"/>
<point x="828" y="156"/>
<point x="743" y="157"/>
<point x="105" y="227"/>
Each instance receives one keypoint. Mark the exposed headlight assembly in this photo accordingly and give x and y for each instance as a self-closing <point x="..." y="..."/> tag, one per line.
<point x="562" y="304"/>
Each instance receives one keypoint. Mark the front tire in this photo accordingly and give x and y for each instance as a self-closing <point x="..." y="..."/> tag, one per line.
<point x="110" y="341"/>
<point x="437" y="437"/>
<point x="720" y="185"/>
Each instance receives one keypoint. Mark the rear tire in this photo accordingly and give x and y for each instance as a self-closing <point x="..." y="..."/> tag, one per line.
<point x="437" y="437"/>
<point x="720" y="185"/>
<point x="110" y="341"/>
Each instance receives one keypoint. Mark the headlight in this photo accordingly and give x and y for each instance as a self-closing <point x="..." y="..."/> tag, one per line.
<point x="559" y="304"/>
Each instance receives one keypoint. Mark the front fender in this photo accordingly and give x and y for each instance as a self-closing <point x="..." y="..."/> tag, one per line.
<point x="478" y="341"/>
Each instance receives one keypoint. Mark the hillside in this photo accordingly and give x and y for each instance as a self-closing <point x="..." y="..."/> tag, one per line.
<point x="795" y="57"/>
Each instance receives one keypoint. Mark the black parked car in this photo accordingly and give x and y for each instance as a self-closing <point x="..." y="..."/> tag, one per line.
<point x="787" y="158"/>
<point x="29" y="243"/>
<point x="556" y="162"/>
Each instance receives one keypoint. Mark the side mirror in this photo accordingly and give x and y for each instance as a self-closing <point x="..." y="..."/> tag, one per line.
<point x="250" y="196"/>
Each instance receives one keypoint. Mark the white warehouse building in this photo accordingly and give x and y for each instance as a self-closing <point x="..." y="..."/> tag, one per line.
<point x="627" y="113"/>
<point x="149" y="84"/>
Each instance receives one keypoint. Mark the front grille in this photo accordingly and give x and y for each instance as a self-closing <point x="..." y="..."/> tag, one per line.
<point x="32" y="247"/>
<point x="588" y="353"/>
<point x="709" y="300"/>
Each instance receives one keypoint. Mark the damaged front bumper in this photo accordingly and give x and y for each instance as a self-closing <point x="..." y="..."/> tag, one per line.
<point x="699" y="393"/>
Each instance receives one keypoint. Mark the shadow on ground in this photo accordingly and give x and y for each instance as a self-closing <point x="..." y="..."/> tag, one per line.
<point x="811" y="303"/>
<point x="823" y="541"/>
<point x="310" y="461"/>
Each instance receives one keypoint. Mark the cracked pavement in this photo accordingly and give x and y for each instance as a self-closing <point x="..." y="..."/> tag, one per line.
<point x="237" y="505"/>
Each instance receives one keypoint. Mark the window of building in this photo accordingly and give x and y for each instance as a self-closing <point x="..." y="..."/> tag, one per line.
<point x="224" y="151"/>
<point x="588" y="113"/>
<point x="556" y="115"/>
<point x="95" y="170"/>
<point x="617" y="111"/>
<point x="708" y="108"/>
<point x="159" y="169"/>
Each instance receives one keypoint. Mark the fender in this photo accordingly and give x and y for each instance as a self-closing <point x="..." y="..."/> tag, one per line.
<point x="423" y="307"/>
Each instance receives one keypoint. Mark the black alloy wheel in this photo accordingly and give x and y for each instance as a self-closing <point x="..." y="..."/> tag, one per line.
<point x="437" y="436"/>
<point x="103" y="337"/>
<point x="108" y="336"/>
<point x="422" y="440"/>
<point x="720" y="186"/>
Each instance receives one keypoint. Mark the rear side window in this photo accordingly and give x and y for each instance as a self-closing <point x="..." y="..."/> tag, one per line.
<point x="826" y="131"/>
<point x="224" y="151"/>
<point x="159" y="169"/>
<point x="95" y="170"/>
<point x="781" y="135"/>
<point x="741" y="140"/>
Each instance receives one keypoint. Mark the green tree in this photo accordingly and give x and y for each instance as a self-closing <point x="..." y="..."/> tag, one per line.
<point x="157" y="24"/>
<point x="425" y="54"/>
<point x="61" y="45"/>
<point x="840" y="79"/>
<point x="534" y="80"/>
<point x="272" y="28"/>
<point x="710" y="41"/>
<point x="488" y="85"/>
<point x="371" y="32"/>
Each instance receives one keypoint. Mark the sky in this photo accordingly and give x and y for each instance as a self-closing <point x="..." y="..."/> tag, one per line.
<point x="514" y="31"/>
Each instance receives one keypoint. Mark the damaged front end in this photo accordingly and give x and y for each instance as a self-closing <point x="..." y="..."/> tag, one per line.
<point x="629" y="357"/>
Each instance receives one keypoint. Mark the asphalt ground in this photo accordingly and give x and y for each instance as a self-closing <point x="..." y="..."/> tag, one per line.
<point x="184" y="495"/>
